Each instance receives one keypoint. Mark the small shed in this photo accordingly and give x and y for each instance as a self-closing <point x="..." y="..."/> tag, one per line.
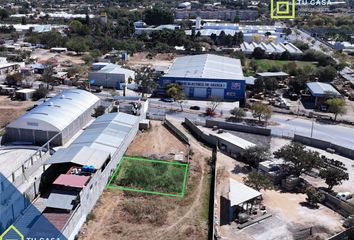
<point x="25" y="94"/>
<point x="320" y="92"/>
<point x="238" y="197"/>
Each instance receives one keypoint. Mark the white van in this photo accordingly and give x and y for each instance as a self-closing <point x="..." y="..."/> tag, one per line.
<point x="344" y="195"/>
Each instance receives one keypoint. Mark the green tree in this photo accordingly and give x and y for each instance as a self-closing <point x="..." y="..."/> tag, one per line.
<point x="298" y="159"/>
<point x="99" y="111"/>
<point x="261" y="111"/>
<point x="333" y="176"/>
<point x="14" y="79"/>
<point x="337" y="106"/>
<point x="175" y="91"/>
<point x="258" y="53"/>
<point x="146" y="79"/>
<point x="314" y="196"/>
<point x="326" y="74"/>
<point x="303" y="46"/>
<point x="47" y="76"/>
<point x="158" y="16"/>
<point x="77" y="44"/>
<point x="23" y="21"/>
<point x="287" y="31"/>
<point x="258" y="181"/>
<point x="4" y="14"/>
<point x="254" y="155"/>
<point x="77" y="27"/>
<point x="39" y="94"/>
<point x="238" y="113"/>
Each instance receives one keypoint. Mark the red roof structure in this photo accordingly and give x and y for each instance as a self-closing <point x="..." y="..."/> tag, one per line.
<point x="72" y="180"/>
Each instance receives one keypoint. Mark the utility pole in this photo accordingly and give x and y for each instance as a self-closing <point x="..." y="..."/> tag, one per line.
<point x="313" y="123"/>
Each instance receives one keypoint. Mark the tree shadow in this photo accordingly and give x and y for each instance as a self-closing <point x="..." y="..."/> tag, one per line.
<point x="244" y="170"/>
<point x="309" y="206"/>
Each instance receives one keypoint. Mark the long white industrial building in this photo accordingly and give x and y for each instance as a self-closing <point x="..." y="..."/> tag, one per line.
<point x="65" y="113"/>
<point x="270" y="48"/>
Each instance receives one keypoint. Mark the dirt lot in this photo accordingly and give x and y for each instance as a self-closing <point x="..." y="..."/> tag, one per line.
<point x="288" y="215"/>
<point x="43" y="55"/>
<point x="157" y="143"/>
<point x="161" y="59"/>
<point x="10" y="110"/>
<point x="126" y="215"/>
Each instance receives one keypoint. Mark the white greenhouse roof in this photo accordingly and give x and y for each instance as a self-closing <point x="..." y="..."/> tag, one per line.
<point x="240" y="193"/>
<point x="58" y="112"/>
<point x="206" y="66"/>
<point x="319" y="89"/>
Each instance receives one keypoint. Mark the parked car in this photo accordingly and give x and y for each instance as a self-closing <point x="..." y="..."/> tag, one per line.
<point x="167" y="100"/>
<point x="344" y="195"/>
<point x="195" y="107"/>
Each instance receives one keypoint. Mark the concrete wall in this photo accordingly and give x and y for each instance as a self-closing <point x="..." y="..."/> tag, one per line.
<point x="181" y="136"/>
<point x="210" y="140"/>
<point x="345" y="235"/>
<point x="238" y="127"/>
<point x="346" y="152"/>
<point x="343" y="207"/>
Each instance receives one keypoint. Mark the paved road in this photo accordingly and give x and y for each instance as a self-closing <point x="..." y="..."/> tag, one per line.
<point x="338" y="134"/>
<point x="285" y="125"/>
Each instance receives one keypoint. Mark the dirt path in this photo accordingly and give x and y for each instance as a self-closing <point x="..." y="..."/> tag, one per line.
<point x="175" y="227"/>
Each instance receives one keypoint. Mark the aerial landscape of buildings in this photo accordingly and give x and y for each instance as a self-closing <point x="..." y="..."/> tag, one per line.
<point x="176" y="120"/>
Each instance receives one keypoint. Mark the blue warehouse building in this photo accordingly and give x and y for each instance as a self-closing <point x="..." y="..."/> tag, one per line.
<point x="207" y="75"/>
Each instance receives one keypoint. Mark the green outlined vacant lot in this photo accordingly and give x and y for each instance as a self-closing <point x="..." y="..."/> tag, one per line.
<point x="150" y="176"/>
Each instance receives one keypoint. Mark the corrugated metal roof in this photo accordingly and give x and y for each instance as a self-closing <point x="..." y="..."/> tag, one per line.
<point x="318" y="89"/>
<point x="206" y="66"/>
<point x="240" y="193"/>
<point x="81" y="155"/>
<point x="115" y="69"/>
<point x="57" y="112"/>
<point x="71" y="180"/>
<point x="107" y="133"/>
<point x="61" y="199"/>
<point x="272" y="74"/>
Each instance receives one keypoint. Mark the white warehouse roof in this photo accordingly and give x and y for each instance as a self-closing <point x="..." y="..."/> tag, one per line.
<point x="240" y="193"/>
<point x="318" y="89"/>
<point x="206" y="66"/>
<point x="58" y="112"/>
<point x="107" y="133"/>
<point x="115" y="69"/>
